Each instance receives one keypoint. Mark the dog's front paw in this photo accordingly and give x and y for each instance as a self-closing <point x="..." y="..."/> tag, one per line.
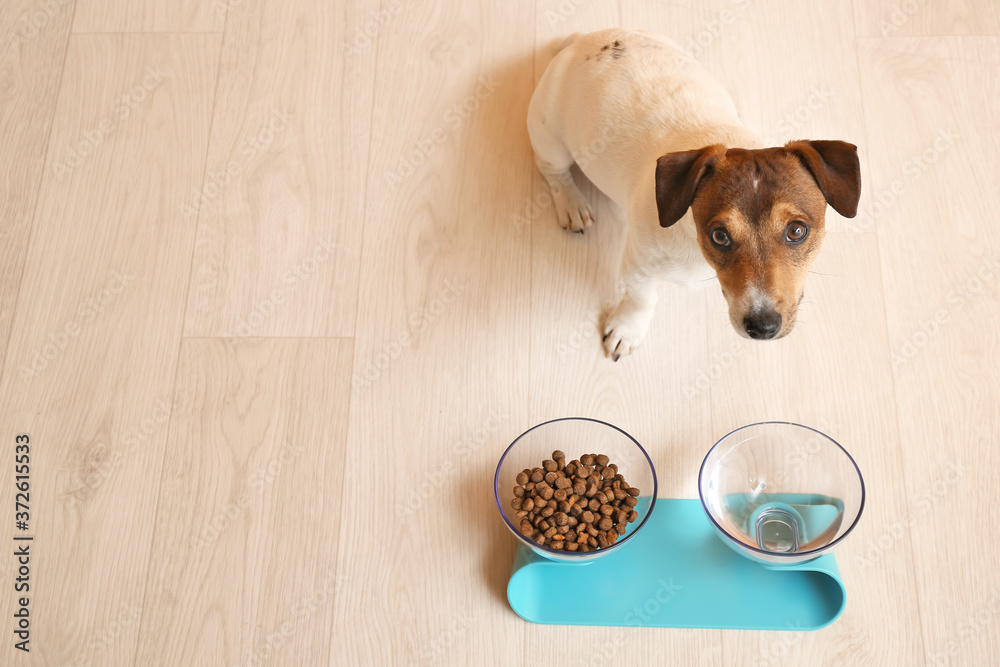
<point x="573" y="211"/>
<point x="624" y="332"/>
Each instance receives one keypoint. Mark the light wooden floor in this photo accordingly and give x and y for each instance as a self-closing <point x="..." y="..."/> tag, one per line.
<point x="268" y="266"/>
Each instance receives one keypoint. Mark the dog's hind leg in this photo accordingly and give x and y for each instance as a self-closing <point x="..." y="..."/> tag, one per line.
<point x="554" y="161"/>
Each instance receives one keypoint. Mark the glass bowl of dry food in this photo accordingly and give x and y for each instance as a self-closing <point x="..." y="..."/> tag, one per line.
<point x="575" y="489"/>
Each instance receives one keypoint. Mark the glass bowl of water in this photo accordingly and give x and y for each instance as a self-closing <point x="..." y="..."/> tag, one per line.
<point x="781" y="493"/>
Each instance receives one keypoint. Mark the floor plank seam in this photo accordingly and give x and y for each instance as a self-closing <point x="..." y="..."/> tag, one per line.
<point x="180" y="347"/>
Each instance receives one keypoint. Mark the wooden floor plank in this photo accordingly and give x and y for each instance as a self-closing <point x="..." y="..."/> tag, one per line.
<point x="940" y="246"/>
<point x="909" y="18"/>
<point x="98" y="328"/>
<point x="254" y="466"/>
<point x="280" y="211"/>
<point x="150" y="15"/>
<point x="441" y="353"/>
<point x="31" y="65"/>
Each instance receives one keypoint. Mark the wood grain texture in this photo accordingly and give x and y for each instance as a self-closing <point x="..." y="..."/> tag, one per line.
<point x="31" y="65"/>
<point x="280" y="212"/>
<point x="908" y="18"/>
<point x="94" y="342"/>
<point x="254" y="466"/>
<point x="149" y="15"/>
<point x="278" y="299"/>
<point x="940" y="246"/>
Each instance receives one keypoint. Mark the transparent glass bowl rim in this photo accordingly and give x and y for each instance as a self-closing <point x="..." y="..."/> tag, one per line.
<point x="771" y="554"/>
<point x="570" y="554"/>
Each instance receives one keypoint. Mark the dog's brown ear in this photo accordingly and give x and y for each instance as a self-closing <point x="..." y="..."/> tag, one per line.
<point x="677" y="178"/>
<point x="835" y="166"/>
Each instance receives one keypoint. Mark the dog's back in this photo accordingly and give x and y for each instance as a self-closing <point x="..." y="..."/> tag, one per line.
<point x="620" y="95"/>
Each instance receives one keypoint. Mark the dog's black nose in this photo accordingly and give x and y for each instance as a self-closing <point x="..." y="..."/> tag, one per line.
<point x="763" y="326"/>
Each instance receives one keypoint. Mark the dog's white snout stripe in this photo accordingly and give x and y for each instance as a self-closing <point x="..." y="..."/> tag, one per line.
<point x="757" y="301"/>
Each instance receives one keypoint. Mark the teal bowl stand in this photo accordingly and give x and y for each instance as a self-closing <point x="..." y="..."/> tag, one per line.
<point x="676" y="573"/>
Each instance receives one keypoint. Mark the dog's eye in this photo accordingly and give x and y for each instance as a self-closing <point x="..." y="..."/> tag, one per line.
<point x="795" y="233"/>
<point x="720" y="237"/>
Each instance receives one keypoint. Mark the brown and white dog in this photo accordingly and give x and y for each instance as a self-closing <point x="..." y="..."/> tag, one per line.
<point x="660" y="137"/>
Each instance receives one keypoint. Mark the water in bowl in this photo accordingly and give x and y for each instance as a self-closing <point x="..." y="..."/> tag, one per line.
<point x="785" y="522"/>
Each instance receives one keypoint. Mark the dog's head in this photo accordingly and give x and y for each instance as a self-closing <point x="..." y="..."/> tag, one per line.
<point x="760" y="219"/>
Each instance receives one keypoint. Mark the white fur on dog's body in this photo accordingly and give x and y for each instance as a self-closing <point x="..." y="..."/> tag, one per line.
<point x="614" y="116"/>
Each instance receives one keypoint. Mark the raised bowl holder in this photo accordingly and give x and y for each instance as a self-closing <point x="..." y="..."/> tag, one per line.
<point x="676" y="573"/>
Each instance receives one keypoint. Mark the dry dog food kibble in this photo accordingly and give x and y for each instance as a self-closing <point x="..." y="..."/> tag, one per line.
<point x="581" y="506"/>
